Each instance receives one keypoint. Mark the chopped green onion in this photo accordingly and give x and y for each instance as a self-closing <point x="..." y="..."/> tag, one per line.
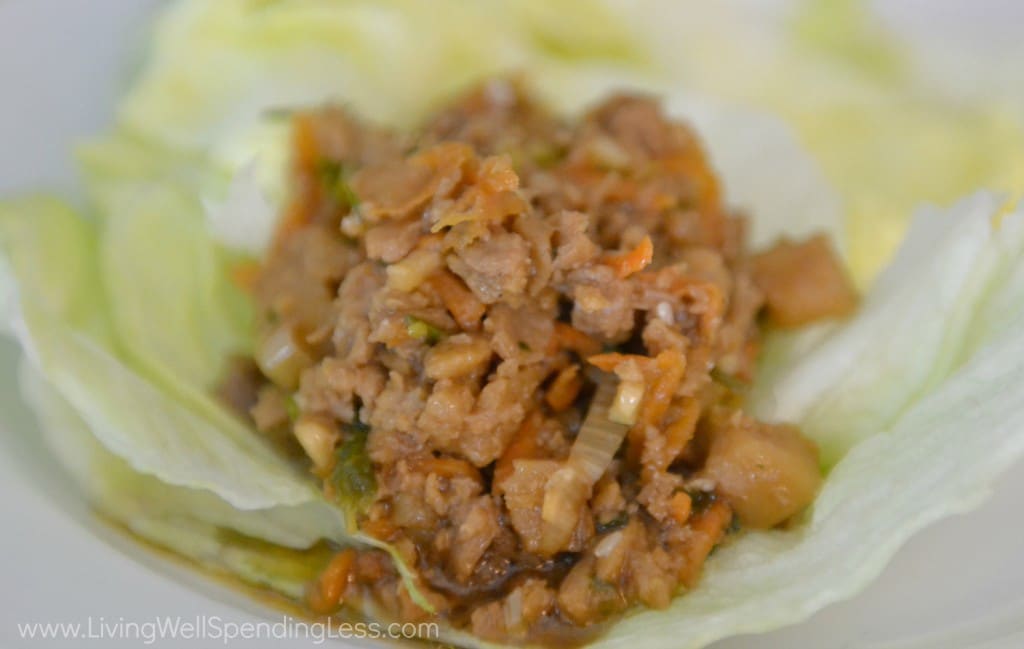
<point x="353" y="476"/>
<point x="291" y="407"/>
<point x="334" y="180"/>
<point x="422" y="330"/>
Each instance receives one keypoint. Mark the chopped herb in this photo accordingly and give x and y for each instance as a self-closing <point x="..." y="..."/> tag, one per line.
<point x="734" y="525"/>
<point x="353" y="472"/>
<point x="523" y="346"/>
<point x="291" y="407"/>
<point x="616" y="523"/>
<point x="334" y="180"/>
<point x="422" y="330"/>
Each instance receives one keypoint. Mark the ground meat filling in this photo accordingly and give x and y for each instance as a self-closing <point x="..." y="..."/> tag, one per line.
<point x="515" y="348"/>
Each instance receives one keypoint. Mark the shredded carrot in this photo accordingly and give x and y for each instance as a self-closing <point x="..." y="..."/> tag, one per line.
<point x="634" y="261"/>
<point x="326" y="594"/>
<point x="244" y="275"/>
<point x="459" y="300"/>
<point x="569" y="337"/>
<point x="669" y="367"/>
<point x="448" y="467"/>
<point x="701" y="297"/>
<point x="681" y="505"/>
<point x="610" y="360"/>
<point x="564" y="389"/>
<point x="524" y="445"/>
<point x="680" y="432"/>
<point x="709" y="527"/>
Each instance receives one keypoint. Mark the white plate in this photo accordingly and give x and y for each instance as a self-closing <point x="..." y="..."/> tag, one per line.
<point x="958" y="584"/>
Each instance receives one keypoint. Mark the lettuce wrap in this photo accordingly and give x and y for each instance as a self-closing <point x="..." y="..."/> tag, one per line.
<point x="126" y="310"/>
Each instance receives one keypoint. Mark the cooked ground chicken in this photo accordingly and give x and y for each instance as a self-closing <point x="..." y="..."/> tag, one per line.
<point x="515" y="348"/>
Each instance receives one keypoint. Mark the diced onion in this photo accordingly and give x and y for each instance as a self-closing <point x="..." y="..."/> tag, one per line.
<point x="513" y="610"/>
<point x="420" y="329"/>
<point x="281" y="357"/>
<point x="569" y="487"/>
<point x="317" y="438"/>
<point x="665" y="313"/>
<point x="562" y="498"/>
<point x="608" y="544"/>
<point x="627" y="403"/>
<point x="412" y="271"/>
<point x="565" y="493"/>
<point x="600" y="437"/>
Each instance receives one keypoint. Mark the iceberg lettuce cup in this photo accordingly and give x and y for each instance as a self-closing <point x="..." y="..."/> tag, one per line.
<point x="129" y="311"/>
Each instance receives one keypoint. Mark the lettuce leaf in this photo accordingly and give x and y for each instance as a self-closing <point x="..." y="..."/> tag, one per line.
<point x="154" y="245"/>
<point x="60" y="318"/>
<point x="129" y="496"/>
<point x="151" y="450"/>
<point x="273" y="548"/>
